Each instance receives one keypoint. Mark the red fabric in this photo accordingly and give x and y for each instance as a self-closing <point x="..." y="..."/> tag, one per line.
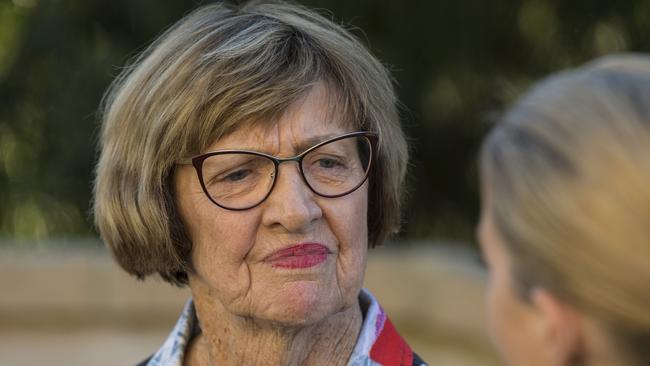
<point x="390" y="349"/>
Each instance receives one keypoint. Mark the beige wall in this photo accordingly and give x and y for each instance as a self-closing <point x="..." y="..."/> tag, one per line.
<point x="74" y="307"/>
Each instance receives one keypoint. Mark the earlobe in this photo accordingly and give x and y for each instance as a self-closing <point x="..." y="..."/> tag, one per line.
<point x="560" y="326"/>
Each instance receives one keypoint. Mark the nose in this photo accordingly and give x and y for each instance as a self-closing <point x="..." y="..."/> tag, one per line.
<point x="291" y="205"/>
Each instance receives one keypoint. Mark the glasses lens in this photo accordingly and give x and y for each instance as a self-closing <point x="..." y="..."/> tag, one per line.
<point x="338" y="167"/>
<point x="237" y="180"/>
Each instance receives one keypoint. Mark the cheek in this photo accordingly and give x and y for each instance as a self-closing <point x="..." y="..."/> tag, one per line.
<point x="220" y="238"/>
<point x="494" y="309"/>
<point x="348" y="223"/>
<point x="221" y="242"/>
<point x="501" y="317"/>
<point x="510" y="322"/>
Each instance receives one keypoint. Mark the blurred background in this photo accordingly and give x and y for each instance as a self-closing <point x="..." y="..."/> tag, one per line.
<point x="456" y="65"/>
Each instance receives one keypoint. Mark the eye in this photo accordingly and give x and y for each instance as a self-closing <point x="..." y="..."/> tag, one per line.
<point x="237" y="175"/>
<point x="329" y="163"/>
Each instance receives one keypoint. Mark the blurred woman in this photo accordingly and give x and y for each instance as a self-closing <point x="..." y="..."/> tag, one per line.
<point x="254" y="153"/>
<point x="565" y="224"/>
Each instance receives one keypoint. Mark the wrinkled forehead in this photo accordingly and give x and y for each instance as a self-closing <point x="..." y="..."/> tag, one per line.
<point x="316" y="116"/>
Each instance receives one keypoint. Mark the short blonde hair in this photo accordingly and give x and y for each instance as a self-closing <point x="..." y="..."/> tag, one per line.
<point x="568" y="174"/>
<point x="216" y="70"/>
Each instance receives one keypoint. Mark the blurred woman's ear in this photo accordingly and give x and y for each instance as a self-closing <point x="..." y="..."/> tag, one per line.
<point x="560" y="326"/>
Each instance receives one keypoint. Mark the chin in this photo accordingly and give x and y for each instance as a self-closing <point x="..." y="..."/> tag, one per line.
<point x="302" y="304"/>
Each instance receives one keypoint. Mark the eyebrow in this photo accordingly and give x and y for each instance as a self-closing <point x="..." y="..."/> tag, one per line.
<point x="301" y="146"/>
<point x="304" y="145"/>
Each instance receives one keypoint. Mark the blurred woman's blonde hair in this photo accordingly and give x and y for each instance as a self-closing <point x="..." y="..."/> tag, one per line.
<point x="567" y="171"/>
<point x="221" y="68"/>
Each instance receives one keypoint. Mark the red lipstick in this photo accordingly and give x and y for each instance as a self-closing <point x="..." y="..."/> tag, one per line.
<point x="299" y="256"/>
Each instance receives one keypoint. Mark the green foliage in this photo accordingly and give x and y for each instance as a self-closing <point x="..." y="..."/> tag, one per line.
<point x="456" y="65"/>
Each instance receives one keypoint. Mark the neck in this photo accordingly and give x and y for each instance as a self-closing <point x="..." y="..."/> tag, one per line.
<point x="228" y="339"/>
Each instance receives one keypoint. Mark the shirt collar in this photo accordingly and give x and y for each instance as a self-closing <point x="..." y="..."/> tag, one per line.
<point x="173" y="349"/>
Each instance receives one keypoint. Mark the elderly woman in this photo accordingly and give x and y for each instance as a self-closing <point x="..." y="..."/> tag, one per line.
<point x="254" y="153"/>
<point x="565" y="225"/>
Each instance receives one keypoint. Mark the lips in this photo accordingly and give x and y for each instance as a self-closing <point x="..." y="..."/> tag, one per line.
<point x="303" y="255"/>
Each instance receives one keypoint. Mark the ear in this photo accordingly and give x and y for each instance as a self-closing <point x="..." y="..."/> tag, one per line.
<point x="561" y="327"/>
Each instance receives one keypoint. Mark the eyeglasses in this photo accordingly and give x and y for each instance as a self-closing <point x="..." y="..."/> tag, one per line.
<point x="242" y="179"/>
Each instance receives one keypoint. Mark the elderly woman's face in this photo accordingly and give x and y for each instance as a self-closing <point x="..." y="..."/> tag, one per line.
<point x="297" y="257"/>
